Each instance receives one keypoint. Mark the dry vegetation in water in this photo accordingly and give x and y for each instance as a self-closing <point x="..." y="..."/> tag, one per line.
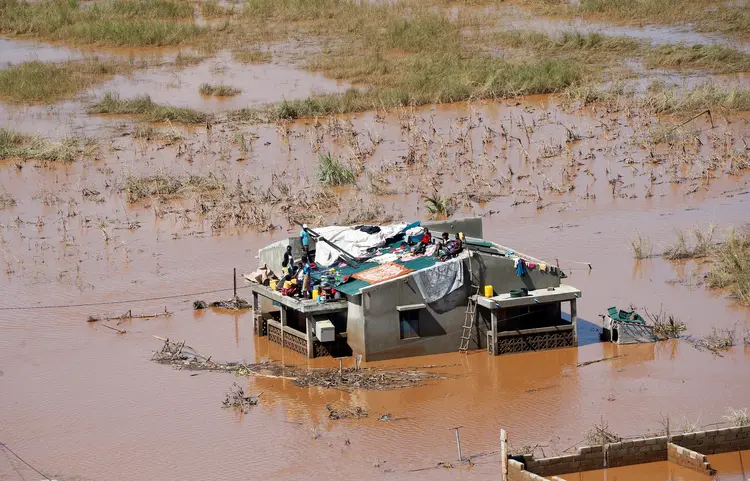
<point x="219" y="90"/>
<point x="182" y="356"/>
<point x="27" y="147"/>
<point x="731" y="18"/>
<point x="135" y="23"/>
<point x="166" y="184"/>
<point x="730" y="265"/>
<point x="641" y="246"/>
<point x="682" y="248"/>
<point x="666" y="326"/>
<point x="146" y="109"/>
<point x="37" y="81"/>
<point x="251" y="55"/>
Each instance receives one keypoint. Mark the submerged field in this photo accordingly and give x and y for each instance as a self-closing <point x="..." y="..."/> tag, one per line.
<point x="149" y="147"/>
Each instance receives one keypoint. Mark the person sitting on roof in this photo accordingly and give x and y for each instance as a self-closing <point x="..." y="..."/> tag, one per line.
<point x="424" y="242"/>
<point x="454" y="247"/>
<point x="442" y="243"/>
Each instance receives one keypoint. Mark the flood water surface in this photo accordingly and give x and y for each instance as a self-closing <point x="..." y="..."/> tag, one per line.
<point x="81" y="401"/>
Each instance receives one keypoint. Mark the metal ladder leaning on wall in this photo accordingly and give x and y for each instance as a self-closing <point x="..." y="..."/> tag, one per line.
<point x="471" y="311"/>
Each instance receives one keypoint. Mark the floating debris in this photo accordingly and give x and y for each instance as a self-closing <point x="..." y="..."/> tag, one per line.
<point x="181" y="356"/>
<point x="346" y="412"/>
<point x="127" y="316"/>
<point x="236" y="398"/>
<point x="235" y="303"/>
<point x="718" y="341"/>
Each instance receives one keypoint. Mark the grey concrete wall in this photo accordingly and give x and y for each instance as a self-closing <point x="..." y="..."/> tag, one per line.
<point x="500" y="273"/>
<point x="470" y="226"/>
<point x="355" y="326"/>
<point x="440" y="330"/>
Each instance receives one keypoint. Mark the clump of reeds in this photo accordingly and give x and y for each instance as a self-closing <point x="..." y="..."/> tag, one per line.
<point x="737" y="417"/>
<point x="641" y="246"/>
<point x="146" y="108"/>
<point x="251" y="55"/>
<point x="372" y="212"/>
<point x="682" y="248"/>
<point x="332" y="171"/>
<point x="219" y="90"/>
<point x="730" y="265"/>
<point x="666" y="325"/>
<point x="167" y="184"/>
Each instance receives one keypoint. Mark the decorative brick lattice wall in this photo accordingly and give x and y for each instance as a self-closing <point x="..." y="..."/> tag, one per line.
<point x="535" y="342"/>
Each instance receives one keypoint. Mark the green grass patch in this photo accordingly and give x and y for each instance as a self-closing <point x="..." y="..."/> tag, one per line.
<point x="37" y="81"/>
<point x="567" y="41"/>
<point x="716" y="58"/>
<point x="219" y="90"/>
<point x="28" y="147"/>
<point x="113" y="23"/>
<point x="332" y="171"/>
<point x="145" y="108"/>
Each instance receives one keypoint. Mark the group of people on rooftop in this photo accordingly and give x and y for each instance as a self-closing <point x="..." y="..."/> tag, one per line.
<point x="295" y="277"/>
<point x="445" y="248"/>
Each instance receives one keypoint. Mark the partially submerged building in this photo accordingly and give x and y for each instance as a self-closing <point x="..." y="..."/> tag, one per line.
<point x="414" y="305"/>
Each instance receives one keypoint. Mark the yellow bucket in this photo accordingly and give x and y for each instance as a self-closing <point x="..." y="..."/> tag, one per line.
<point x="488" y="291"/>
<point x="315" y="294"/>
<point x="273" y="284"/>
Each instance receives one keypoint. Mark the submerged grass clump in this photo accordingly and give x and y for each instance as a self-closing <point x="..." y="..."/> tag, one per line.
<point x="211" y="9"/>
<point x="116" y="23"/>
<point x="219" y="90"/>
<point x="37" y="81"/>
<point x="331" y="171"/>
<point x="641" y="246"/>
<point x="730" y="265"/>
<point x="28" y="147"/>
<point x="717" y="58"/>
<point x="737" y="418"/>
<point x="147" y="109"/>
<point x="683" y="248"/>
<point x="165" y="184"/>
<point x="251" y="55"/>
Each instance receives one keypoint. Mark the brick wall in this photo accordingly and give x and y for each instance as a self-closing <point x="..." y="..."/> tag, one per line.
<point x="689" y="459"/>
<point x="715" y="441"/>
<point x="638" y="451"/>
<point x="586" y="459"/>
<point x="516" y="472"/>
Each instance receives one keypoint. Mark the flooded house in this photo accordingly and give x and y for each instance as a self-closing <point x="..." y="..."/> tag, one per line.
<point x="391" y="302"/>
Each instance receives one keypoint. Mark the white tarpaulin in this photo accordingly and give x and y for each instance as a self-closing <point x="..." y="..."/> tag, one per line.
<point x="353" y="241"/>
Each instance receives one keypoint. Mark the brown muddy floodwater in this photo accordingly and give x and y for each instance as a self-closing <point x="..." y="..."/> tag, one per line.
<point x="82" y="402"/>
<point x="730" y="466"/>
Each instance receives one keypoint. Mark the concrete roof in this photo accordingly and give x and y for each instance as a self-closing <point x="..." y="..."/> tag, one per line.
<point x="539" y="296"/>
<point x="306" y="306"/>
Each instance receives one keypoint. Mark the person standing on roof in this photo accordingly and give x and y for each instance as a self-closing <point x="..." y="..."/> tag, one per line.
<point x="305" y="238"/>
<point x="288" y="261"/>
<point x="306" y="272"/>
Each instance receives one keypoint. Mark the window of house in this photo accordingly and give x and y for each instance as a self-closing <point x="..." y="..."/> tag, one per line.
<point x="409" y="321"/>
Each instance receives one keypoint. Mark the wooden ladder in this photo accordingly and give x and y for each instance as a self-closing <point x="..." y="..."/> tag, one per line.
<point x="471" y="312"/>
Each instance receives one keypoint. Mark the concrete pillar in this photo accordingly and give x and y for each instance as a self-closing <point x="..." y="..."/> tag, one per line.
<point x="493" y="349"/>
<point x="283" y="323"/>
<point x="310" y="332"/>
<point x="574" y="320"/>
